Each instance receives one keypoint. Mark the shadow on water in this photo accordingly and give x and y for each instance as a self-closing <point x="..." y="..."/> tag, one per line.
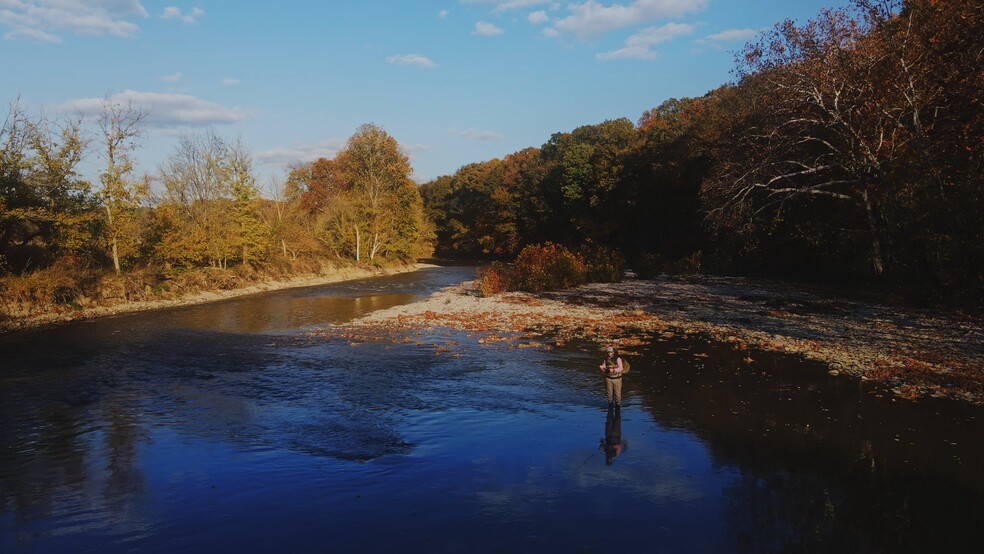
<point x="821" y="462"/>
<point x="223" y="427"/>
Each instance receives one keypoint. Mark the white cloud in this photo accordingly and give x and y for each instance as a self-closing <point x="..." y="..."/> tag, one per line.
<point x="538" y="17"/>
<point x="484" y="29"/>
<point x="591" y="19"/>
<point x="166" y="109"/>
<point x="39" y="20"/>
<point x="639" y="46"/>
<point x="474" y="134"/>
<point x="189" y="18"/>
<point x="717" y="40"/>
<point x="173" y="78"/>
<point x="34" y="35"/>
<point x="509" y="5"/>
<point x="297" y="153"/>
<point x="411" y="149"/>
<point x="733" y="35"/>
<point x="229" y="82"/>
<point x="443" y="14"/>
<point x="412" y="59"/>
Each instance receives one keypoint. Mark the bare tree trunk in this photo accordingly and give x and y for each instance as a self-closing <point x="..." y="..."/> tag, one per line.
<point x="116" y="257"/>
<point x="358" y="242"/>
<point x="375" y="246"/>
<point x="877" y="258"/>
<point x="113" y="241"/>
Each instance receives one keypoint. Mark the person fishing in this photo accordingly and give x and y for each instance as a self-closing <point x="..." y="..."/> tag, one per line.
<point x="612" y="368"/>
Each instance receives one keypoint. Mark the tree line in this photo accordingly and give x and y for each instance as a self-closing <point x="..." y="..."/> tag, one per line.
<point x="848" y="148"/>
<point x="203" y="209"/>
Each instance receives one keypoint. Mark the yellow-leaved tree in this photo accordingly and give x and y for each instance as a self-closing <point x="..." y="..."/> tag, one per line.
<point x="120" y="195"/>
<point x="383" y="206"/>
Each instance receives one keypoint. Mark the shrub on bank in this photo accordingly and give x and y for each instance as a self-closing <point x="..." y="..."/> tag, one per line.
<point x="57" y="285"/>
<point x="603" y="265"/>
<point x="538" y="267"/>
<point x="547" y="266"/>
<point x="494" y="279"/>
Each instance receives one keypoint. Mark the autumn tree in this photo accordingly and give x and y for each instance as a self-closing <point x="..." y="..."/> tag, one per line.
<point x="387" y="206"/>
<point x="676" y="151"/>
<point x="322" y="209"/>
<point x="935" y="49"/>
<point x="520" y="211"/>
<point x="860" y="136"/>
<point x="340" y="227"/>
<point x="485" y="209"/>
<point x="120" y="194"/>
<point x="436" y="197"/>
<point x="14" y="151"/>
<point x="317" y="183"/>
<point x="291" y="230"/>
<point x="585" y="169"/>
<point x="472" y="222"/>
<point x="47" y="207"/>
<point x="833" y="126"/>
<point x="197" y="195"/>
<point x="252" y="234"/>
<point x="849" y="146"/>
<point x="476" y="211"/>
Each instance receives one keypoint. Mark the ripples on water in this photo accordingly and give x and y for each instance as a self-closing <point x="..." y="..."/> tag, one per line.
<point x="223" y="427"/>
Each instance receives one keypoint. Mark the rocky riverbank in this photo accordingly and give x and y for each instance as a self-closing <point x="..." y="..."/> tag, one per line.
<point x="918" y="353"/>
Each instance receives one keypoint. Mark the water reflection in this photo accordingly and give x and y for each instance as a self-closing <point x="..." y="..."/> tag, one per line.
<point x="124" y="480"/>
<point x="613" y="445"/>
<point x="270" y="312"/>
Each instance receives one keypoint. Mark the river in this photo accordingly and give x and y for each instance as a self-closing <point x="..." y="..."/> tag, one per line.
<point x="229" y="427"/>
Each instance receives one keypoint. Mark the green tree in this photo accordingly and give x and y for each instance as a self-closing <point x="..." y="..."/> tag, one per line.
<point x="586" y="168"/>
<point x="436" y="197"/>
<point x="252" y="234"/>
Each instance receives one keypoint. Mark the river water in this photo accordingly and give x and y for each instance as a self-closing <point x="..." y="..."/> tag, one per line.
<point x="228" y="427"/>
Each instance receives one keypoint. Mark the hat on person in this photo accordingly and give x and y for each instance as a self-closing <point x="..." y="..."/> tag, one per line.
<point x="610" y="349"/>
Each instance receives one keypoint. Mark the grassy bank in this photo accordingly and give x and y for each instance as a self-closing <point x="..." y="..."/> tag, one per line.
<point x="65" y="292"/>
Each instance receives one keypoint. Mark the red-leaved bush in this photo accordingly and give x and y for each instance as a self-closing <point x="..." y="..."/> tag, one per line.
<point x="538" y="267"/>
<point x="494" y="279"/>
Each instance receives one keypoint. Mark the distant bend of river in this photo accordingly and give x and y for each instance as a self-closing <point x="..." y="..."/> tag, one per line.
<point x="225" y="427"/>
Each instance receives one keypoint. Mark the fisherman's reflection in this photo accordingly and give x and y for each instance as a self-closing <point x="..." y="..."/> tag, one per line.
<point x="613" y="445"/>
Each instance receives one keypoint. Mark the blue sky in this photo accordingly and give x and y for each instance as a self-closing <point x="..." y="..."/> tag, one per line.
<point x="454" y="81"/>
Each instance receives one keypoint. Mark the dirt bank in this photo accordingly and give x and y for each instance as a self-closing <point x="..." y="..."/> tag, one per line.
<point x="22" y="321"/>
<point x="916" y="352"/>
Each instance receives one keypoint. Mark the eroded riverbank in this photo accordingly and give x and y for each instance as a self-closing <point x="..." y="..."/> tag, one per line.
<point x="917" y="353"/>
